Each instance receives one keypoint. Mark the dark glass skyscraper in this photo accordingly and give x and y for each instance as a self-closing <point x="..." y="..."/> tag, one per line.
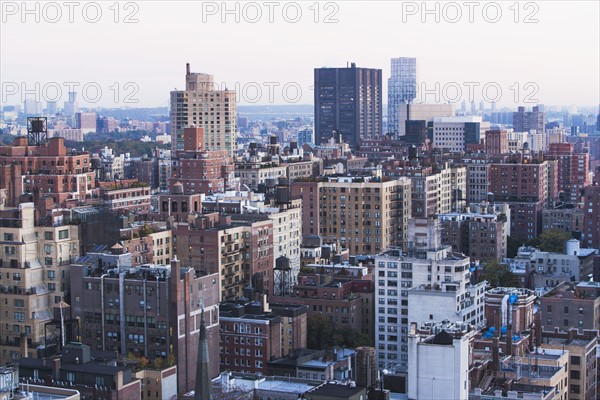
<point x="347" y="101"/>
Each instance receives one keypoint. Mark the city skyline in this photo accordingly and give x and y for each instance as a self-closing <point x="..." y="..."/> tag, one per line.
<point x="134" y="68"/>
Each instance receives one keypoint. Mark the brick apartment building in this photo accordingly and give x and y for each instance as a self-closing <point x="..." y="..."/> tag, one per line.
<point x="29" y="173"/>
<point x="151" y="311"/>
<point x="250" y="337"/>
<point x="525" y="187"/>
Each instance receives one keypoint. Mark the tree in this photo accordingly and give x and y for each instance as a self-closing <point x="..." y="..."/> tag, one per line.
<point x="322" y="334"/>
<point x="551" y="240"/>
<point x="319" y="332"/>
<point x="498" y="275"/>
<point x="512" y="246"/>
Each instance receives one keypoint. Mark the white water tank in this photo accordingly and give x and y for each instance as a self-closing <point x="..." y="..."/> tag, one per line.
<point x="573" y="247"/>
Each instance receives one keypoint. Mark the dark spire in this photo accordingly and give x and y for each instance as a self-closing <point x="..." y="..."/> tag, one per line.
<point x="202" y="390"/>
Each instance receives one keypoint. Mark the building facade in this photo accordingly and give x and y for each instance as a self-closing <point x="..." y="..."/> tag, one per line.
<point x="202" y="105"/>
<point x="348" y="103"/>
<point x="402" y="89"/>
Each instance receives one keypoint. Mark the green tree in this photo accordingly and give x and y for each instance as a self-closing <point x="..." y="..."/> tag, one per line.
<point x="498" y="275"/>
<point x="320" y="332"/>
<point x="551" y="240"/>
<point x="512" y="246"/>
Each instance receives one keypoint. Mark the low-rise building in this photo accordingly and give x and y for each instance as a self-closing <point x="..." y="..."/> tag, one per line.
<point x="571" y="305"/>
<point x="583" y="364"/>
<point x="250" y="337"/>
<point x="96" y="376"/>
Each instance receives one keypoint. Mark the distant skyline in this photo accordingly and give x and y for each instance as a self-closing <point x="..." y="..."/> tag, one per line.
<point x="556" y="60"/>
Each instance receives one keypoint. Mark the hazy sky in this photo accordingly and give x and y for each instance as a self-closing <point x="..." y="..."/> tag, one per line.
<point x="555" y="60"/>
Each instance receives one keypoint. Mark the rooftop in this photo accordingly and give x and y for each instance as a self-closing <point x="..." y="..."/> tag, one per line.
<point x="335" y="391"/>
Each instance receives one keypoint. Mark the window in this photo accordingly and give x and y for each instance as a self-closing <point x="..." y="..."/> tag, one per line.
<point x="49" y="235"/>
<point x="575" y="360"/>
<point x="20" y="316"/>
<point x="70" y="377"/>
<point x="575" y="375"/>
<point x="64" y="234"/>
<point x="8" y="237"/>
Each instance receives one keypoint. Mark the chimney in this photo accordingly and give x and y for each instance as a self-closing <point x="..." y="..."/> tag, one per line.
<point x="509" y="343"/>
<point x="495" y="354"/>
<point x="571" y="335"/>
<point x="56" y="368"/>
<point x="187" y="68"/>
<point x="24" y="346"/>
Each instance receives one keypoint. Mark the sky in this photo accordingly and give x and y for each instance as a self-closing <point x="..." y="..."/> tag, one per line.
<point x="132" y="54"/>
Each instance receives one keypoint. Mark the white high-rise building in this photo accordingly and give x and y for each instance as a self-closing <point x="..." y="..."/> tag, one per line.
<point x="421" y="112"/>
<point x="32" y="107"/>
<point x="455" y="133"/>
<point x="438" y="366"/>
<point x="402" y="88"/>
<point x="71" y="106"/>
<point x="202" y="105"/>
<point x="427" y="283"/>
<point x="51" y="107"/>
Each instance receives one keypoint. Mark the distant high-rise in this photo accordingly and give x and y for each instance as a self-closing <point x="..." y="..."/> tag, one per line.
<point x="51" y="107"/>
<point x="71" y="106"/>
<point x="347" y="101"/>
<point x="402" y="88"/>
<point x="32" y="107"/>
<point x="531" y="120"/>
<point x="201" y="105"/>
